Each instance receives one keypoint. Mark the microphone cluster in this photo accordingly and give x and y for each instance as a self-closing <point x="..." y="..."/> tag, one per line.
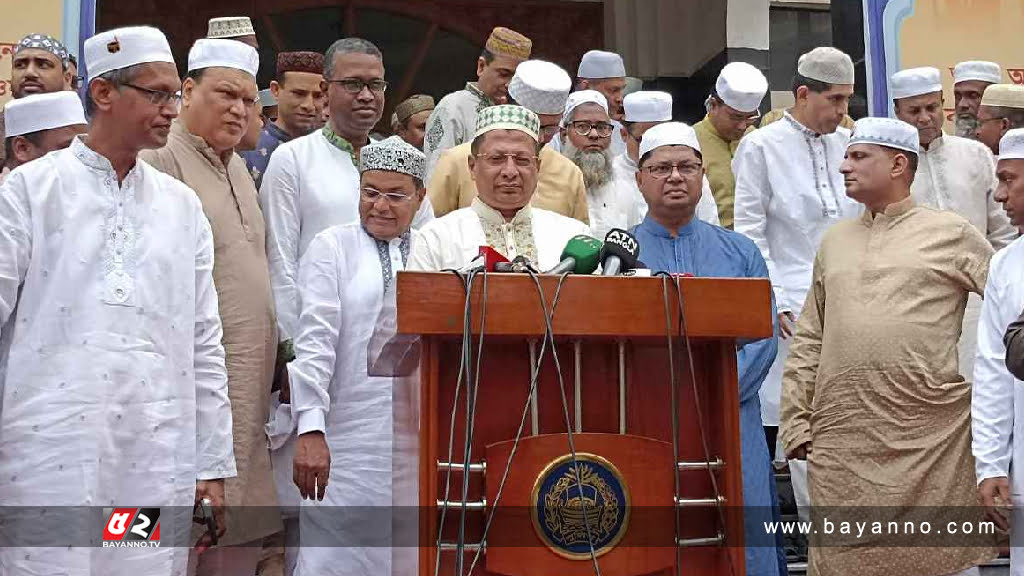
<point x="617" y="255"/>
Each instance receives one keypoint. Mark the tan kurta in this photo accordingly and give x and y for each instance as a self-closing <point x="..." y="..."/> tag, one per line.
<point x="242" y="279"/>
<point x="872" y="382"/>
<point x="717" y="153"/>
<point x="560" y="185"/>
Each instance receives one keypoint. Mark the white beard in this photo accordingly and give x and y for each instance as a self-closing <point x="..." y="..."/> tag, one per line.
<point x="596" y="166"/>
<point x="965" y="126"/>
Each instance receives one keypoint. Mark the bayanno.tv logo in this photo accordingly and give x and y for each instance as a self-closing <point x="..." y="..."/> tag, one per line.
<point x="131" y="528"/>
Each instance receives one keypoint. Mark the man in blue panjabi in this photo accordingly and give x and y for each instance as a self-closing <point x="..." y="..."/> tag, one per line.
<point x="672" y="240"/>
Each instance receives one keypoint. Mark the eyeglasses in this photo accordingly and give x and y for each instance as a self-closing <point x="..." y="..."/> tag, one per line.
<point x="738" y="117"/>
<point x="583" y="128"/>
<point x="663" y="171"/>
<point x="372" y="195"/>
<point x="157" y="97"/>
<point x="498" y="160"/>
<point x="549" y="130"/>
<point x="356" y="85"/>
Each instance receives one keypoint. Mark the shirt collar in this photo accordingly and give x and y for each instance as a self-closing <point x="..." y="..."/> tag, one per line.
<point x="97" y="161"/>
<point x="652" y="226"/>
<point x="933" y="145"/>
<point x="798" y="126"/>
<point x="275" y="131"/>
<point x="891" y="212"/>
<point x="340" y="143"/>
<point x="491" y="215"/>
<point x="179" y="130"/>
<point x="473" y="89"/>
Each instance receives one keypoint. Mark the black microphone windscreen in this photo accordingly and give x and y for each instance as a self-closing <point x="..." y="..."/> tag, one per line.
<point x="622" y="244"/>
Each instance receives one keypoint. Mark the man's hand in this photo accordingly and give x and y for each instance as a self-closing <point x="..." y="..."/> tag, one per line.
<point x="994" y="494"/>
<point x="213" y="490"/>
<point x="800" y="452"/>
<point x="286" y="394"/>
<point x="787" y="324"/>
<point x="312" y="465"/>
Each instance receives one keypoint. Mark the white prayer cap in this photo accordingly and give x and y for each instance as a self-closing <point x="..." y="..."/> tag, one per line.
<point x="1003" y="95"/>
<point x="392" y="155"/>
<point x="826" y="64"/>
<point x="888" y="132"/>
<point x="43" y="112"/>
<point x="577" y="99"/>
<point x="668" y="134"/>
<point x="977" y="70"/>
<point x="124" y="47"/>
<point x="648" y="106"/>
<point x="598" y="64"/>
<point x="915" y="82"/>
<point x="1011" y="146"/>
<point x="741" y="86"/>
<point x="221" y="53"/>
<point x="230" y="27"/>
<point x="541" y="87"/>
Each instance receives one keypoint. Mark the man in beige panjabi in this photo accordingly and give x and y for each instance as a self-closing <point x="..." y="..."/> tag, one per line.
<point x="872" y="397"/>
<point x="217" y="105"/>
<point x="542" y="88"/>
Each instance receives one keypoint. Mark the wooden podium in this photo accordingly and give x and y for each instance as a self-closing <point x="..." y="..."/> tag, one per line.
<point x="612" y="343"/>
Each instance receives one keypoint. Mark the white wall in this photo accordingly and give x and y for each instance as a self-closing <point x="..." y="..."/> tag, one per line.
<point x="747" y="24"/>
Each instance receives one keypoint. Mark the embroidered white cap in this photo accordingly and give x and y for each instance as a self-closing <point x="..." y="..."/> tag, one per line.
<point x="977" y="70"/>
<point x="541" y="87"/>
<point x="577" y="99"/>
<point x="915" y="82"/>
<point x="392" y="155"/>
<point x="668" y="134"/>
<point x="826" y="64"/>
<point x="598" y="64"/>
<point x="43" y="112"/>
<point x="741" y="86"/>
<point x="888" y="132"/>
<point x="123" y="47"/>
<point x="1011" y="146"/>
<point x="222" y="53"/>
<point x="648" y="106"/>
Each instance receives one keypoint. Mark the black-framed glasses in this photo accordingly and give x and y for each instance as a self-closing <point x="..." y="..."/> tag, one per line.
<point x="157" y="97"/>
<point x="583" y="128"/>
<point x="549" y="130"/>
<point x="356" y="85"/>
<point x="372" y="195"/>
<point x="663" y="171"/>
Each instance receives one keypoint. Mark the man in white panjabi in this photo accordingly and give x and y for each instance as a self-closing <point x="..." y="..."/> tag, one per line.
<point x="997" y="400"/>
<point x="644" y="110"/>
<point x="970" y="80"/>
<point x="343" y="461"/>
<point x="604" y="72"/>
<point x="789" y="191"/>
<point x="586" y="131"/>
<point x="955" y="174"/>
<point x="39" y="124"/>
<point x="312" y="182"/>
<point x="116" y="391"/>
<point x="504" y="164"/>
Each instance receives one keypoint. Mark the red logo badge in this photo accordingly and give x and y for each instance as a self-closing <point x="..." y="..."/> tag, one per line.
<point x="131" y="527"/>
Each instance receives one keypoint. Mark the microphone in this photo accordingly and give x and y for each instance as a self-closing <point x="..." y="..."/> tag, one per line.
<point x="580" y="256"/>
<point x="520" y="264"/>
<point x="620" y="251"/>
<point x="486" y="259"/>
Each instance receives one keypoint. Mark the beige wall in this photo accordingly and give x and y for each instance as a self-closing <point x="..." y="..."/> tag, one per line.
<point x="969" y="30"/>
<point x="43" y="16"/>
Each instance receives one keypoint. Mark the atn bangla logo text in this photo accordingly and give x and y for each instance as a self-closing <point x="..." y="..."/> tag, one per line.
<point x="131" y="528"/>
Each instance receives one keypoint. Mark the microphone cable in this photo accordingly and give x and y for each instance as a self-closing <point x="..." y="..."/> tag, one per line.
<point x="522" y="421"/>
<point x="467" y="283"/>
<point x="681" y="323"/>
<point x="550" y="335"/>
